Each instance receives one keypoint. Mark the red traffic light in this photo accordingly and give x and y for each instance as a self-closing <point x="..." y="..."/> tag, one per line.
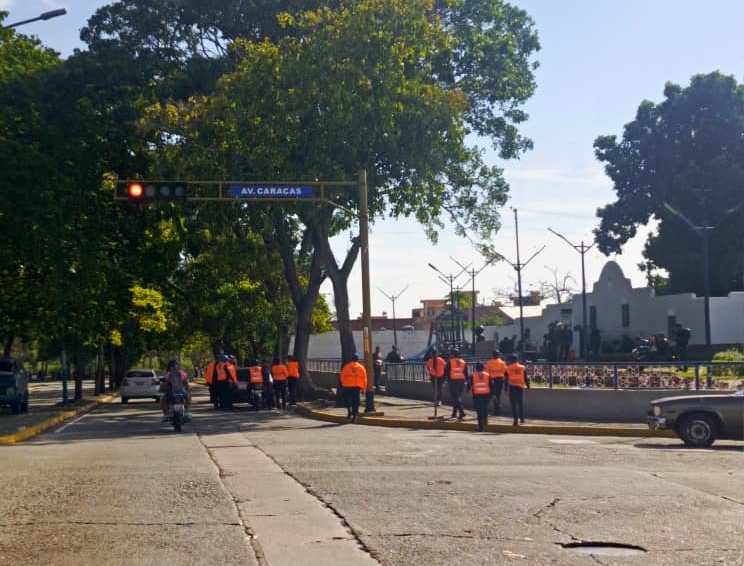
<point x="135" y="191"/>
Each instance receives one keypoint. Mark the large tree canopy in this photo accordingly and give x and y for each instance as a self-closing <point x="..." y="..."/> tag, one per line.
<point x="688" y="152"/>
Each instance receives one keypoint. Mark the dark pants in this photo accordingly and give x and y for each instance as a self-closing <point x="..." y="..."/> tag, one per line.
<point x="496" y="387"/>
<point x="378" y="377"/>
<point x="481" y="403"/>
<point x="280" y="393"/>
<point x="516" y="398"/>
<point x="352" y="397"/>
<point x="213" y="397"/>
<point x="436" y="387"/>
<point x="292" y="385"/>
<point x="268" y="395"/>
<point x="456" y="389"/>
<point x="224" y="394"/>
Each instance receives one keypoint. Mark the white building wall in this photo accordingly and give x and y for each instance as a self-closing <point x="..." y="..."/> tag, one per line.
<point x="727" y="319"/>
<point x="410" y="342"/>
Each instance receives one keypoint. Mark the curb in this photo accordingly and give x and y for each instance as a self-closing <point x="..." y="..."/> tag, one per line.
<point x="35" y="430"/>
<point x="567" y="430"/>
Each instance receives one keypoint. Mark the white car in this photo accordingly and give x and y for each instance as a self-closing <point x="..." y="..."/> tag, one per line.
<point x="140" y="384"/>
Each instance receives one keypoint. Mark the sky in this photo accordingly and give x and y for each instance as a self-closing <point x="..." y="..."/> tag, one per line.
<point x="599" y="60"/>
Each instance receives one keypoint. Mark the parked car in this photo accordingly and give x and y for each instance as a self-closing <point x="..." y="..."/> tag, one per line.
<point x="140" y="384"/>
<point x="700" y="420"/>
<point x="13" y="385"/>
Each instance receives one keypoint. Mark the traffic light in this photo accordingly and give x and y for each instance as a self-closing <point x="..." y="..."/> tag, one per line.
<point x="152" y="191"/>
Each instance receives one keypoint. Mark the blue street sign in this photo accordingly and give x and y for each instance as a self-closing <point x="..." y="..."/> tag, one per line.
<point x="258" y="192"/>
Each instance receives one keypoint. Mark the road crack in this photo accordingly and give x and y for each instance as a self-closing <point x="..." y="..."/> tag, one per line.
<point x="547" y="507"/>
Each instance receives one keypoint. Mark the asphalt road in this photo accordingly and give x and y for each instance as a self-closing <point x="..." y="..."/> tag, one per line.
<point x="116" y="487"/>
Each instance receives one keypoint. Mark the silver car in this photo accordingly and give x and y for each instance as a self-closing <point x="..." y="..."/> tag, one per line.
<point x="140" y="384"/>
<point x="701" y="419"/>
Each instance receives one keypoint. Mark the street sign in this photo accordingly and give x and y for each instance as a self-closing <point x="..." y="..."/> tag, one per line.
<point x="272" y="192"/>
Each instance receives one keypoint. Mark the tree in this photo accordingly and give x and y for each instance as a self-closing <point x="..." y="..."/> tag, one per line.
<point x="559" y="288"/>
<point x="687" y="151"/>
<point x="393" y="87"/>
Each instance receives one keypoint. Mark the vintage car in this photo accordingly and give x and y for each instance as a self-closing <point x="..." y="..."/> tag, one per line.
<point x="700" y="420"/>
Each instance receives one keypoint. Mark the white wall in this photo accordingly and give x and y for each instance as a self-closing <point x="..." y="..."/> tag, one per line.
<point x="410" y="342"/>
<point x="727" y="319"/>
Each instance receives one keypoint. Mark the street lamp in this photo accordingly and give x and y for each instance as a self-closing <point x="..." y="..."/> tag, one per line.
<point x="450" y="280"/>
<point x="473" y="274"/>
<point x="393" y="299"/>
<point x="583" y="249"/>
<point x="43" y="17"/>
<point x="704" y="232"/>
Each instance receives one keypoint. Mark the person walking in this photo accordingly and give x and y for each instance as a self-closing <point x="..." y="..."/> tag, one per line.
<point x="280" y="375"/>
<point x="435" y="365"/>
<point x="456" y="373"/>
<point x="516" y="375"/>
<point x="210" y="377"/>
<point x="293" y="381"/>
<point x="268" y="393"/>
<point x="496" y="368"/>
<point x="353" y="382"/>
<point x="480" y="387"/>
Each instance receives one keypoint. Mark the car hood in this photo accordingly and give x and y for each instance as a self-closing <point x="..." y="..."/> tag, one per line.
<point x="688" y="398"/>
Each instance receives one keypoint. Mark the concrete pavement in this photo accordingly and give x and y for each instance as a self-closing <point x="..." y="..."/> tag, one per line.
<point x="116" y="487"/>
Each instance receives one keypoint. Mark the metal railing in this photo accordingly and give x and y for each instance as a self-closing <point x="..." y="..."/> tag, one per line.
<point x="723" y="376"/>
<point x="325" y="365"/>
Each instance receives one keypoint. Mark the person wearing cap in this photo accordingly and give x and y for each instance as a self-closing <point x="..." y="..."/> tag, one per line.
<point x="210" y="377"/>
<point x="280" y="375"/>
<point x="496" y="368"/>
<point x="480" y="387"/>
<point x="435" y="365"/>
<point x="353" y="382"/>
<point x="227" y="377"/>
<point x="293" y="374"/>
<point x="456" y="372"/>
<point x="516" y="374"/>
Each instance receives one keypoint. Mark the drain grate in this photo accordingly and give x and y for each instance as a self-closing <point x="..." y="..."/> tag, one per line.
<point x="597" y="548"/>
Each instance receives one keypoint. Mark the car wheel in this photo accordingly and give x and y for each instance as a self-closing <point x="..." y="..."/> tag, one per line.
<point x="125" y="400"/>
<point x="699" y="431"/>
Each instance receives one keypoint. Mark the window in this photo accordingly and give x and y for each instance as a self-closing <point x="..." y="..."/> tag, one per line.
<point x="626" y="316"/>
<point x="592" y="317"/>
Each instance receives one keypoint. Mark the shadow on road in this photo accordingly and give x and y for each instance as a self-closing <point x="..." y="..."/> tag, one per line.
<point x="714" y="448"/>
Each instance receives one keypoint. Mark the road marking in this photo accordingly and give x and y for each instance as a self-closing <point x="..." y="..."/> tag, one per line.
<point x="72" y="422"/>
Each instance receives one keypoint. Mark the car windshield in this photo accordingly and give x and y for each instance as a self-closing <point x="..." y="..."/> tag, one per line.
<point x="140" y="374"/>
<point x="6" y="366"/>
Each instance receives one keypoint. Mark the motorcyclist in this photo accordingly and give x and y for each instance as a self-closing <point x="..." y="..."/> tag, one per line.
<point x="175" y="381"/>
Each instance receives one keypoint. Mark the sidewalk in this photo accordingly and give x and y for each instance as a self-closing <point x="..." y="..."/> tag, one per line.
<point x="45" y="411"/>
<point x="410" y="413"/>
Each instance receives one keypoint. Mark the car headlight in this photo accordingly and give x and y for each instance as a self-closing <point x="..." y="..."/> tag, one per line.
<point x="657" y="411"/>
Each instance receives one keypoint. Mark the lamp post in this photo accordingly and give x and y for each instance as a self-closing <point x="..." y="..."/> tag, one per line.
<point x="393" y="299"/>
<point x="449" y="280"/>
<point x="704" y="231"/>
<point x="583" y="249"/>
<point x="43" y="17"/>
<point x="473" y="274"/>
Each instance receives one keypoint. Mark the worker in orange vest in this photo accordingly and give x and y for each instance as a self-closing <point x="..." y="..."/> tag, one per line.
<point x="496" y="368"/>
<point x="480" y="387"/>
<point x="435" y="365"/>
<point x="353" y="382"/>
<point x="293" y="372"/>
<point x="255" y="375"/>
<point x="456" y="372"/>
<point x="210" y="377"/>
<point x="516" y="375"/>
<point x="280" y="374"/>
<point x="227" y="379"/>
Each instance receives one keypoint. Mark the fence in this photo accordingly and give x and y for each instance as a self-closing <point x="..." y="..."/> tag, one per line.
<point x="324" y="365"/>
<point x="660" y="375"/>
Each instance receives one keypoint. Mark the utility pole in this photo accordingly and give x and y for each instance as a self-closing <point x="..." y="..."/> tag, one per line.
<point x="473" y="274"/>
<point x="704" y="233"/>
<point x="583" y="249"/>
<point x="43" y="17"/>
<point x="366" y="294"/>
<point x="450" y="280"/>
<point x="393" y="299"/>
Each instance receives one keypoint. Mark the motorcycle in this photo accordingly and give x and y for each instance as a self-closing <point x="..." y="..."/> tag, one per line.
<point x="257" y="395"/>
<point x="178" y="410"/>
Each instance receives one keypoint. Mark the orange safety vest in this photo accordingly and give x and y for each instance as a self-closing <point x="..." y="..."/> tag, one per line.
<point x="226" y="372"/>
<point x="256" y="375"/>
<point x="209" y="374"/>
<point x="294" y="370"/>
<point x="279" y="372"/>
<point x="435" y="371"/>
<point x="457" y="369"/>
<point x="517" y="375"/>
<point x="496" y="368"/>
<point x="354" y="375"/>
<point x="481" y="383"/>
